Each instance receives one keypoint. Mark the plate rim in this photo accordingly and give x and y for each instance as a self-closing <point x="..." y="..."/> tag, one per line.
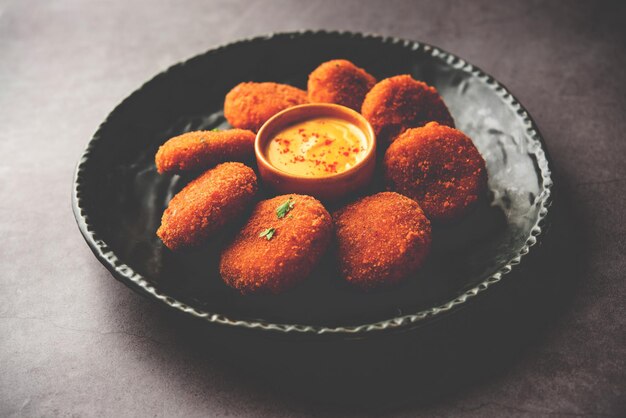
<point x="125" y="274"/>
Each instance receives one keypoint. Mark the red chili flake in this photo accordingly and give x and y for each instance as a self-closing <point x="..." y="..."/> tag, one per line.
<point x="346" y="153"/>
<point x="328" y="142"/>
<point x="355" y="150"/>
<point x="332" y="167"/>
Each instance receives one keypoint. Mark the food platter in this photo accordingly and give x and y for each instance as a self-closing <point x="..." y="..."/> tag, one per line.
<point x="118" y="196"/>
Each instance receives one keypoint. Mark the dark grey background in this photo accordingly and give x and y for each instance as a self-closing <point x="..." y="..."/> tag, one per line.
<point x="74" y="342"/>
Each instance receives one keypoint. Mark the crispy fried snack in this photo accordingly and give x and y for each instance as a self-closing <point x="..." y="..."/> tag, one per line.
<point x="340" y="82"/>
<point x="398" y="103"/>
<point x="382" y="239"/>
<point x="439" y="167"/>
<point x="249" y="105"/>
<point x="201" y="150"/>
<point x="208" y="203"/>
<point x="278" y="247"/>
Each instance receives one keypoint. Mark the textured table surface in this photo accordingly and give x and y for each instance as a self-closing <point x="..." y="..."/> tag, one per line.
<point x="75" y="342"/>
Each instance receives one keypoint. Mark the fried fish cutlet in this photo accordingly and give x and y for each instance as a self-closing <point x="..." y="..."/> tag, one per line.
<point x="279" y="246"/>
<point x="248" y="105"/>
<point x="201" y="150"/>
<point x="439" y="167"/>
<point x="382" y="240"/>
<point x="398" y="103"/>
<point x="341" y="82"/>
<point x="211" y="201"/>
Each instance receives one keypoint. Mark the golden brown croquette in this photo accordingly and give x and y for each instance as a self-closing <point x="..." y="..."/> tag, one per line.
<point x="278" y="247"/>
<point x="249" y="105"/>
<point x="398" y="103"/>
<point x="439" y="167"/>
<point x="201" y="150"/>
<point x="382" y="239"/>
<point x="340" y="82"/>
<point x="204" y="206"/>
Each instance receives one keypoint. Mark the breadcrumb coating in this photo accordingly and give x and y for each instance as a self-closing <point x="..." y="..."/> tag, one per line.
<point x="398" y="103"/>
<point x="382" y="240"/>
<point x="211" y="201"/>
<point x="201" y="150"/>
<point x="340" y="82"/>
<point x="439" y="167"/>
<point x="256" y="264"/>
<point x="249" y="105"/>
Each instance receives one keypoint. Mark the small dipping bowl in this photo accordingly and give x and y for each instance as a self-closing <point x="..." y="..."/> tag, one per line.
<point x="329" y="187"/>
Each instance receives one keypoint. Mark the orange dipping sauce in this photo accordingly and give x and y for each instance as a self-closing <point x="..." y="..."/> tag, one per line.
<point x="318" y="147"/>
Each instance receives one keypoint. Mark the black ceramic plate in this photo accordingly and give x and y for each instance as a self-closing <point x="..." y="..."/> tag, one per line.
<point x="119" y="197"/>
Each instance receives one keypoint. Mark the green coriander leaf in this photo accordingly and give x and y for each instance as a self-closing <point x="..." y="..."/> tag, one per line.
<point x="215" y="130"/>
<point x="284" y="209"/>
<point x="268" y="233"/>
